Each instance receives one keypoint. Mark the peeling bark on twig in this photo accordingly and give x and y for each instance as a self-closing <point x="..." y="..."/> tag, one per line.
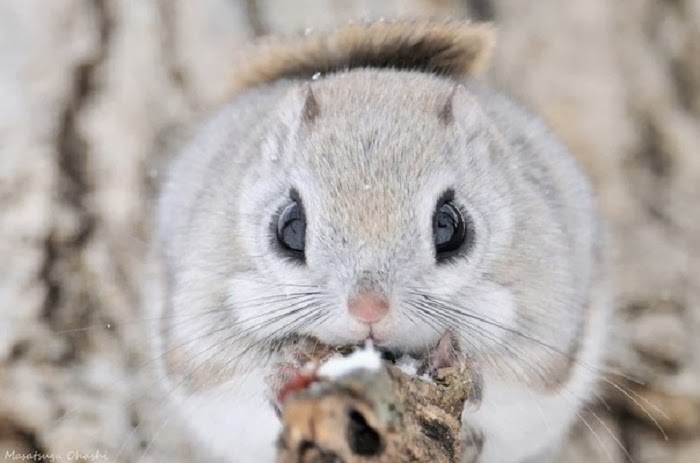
<point x="384" y="415"/>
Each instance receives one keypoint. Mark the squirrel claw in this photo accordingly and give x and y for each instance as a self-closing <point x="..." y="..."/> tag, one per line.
<point x="448" y="355"/>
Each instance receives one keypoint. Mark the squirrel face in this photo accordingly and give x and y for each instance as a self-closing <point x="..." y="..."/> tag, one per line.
<point x="379" y="213"/>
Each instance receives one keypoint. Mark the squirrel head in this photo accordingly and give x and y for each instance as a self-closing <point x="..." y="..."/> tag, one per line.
<point x="377" y="190"/>
<point x="391" y="198"/>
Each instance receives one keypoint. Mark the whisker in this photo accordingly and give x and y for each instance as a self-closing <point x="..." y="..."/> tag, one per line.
<point x="630" y="394"/>
<point x="477" y="331"/>
<point x="484" y="356"/>
<point x="252" y="329"/>
<point x="596" y="436"/>
<point x="321" y="318"/>
<point x="291" y="327"/>
<point x="612" y="435"/>
<point x="224" y="327"/>
<point x="247" y="331"/>
<point x="484" y="319"/>
<point x="261" y="300"/>
<point x="153" y="359"/>
<point x="600" y="372"/>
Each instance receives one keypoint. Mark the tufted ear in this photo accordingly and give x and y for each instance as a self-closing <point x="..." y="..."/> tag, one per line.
<point x="310" y="108"/>
<point x="300" y="107"/>
<point x="296" y="112"/>
<point x="460" y="109"/>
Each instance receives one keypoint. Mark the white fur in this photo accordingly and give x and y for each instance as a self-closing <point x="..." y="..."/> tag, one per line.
<point x="524" y="425"/>
<point x="234" y="419"/>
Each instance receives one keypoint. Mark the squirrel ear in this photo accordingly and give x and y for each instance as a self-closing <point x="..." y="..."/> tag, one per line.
<point x="460" y="108"/>
<point x="298" y="110"/>
<point x="300" y="107"/>
<point x="310" y="109"/>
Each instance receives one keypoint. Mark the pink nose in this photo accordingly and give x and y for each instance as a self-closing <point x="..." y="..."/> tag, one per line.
<point x="368" y="307"/>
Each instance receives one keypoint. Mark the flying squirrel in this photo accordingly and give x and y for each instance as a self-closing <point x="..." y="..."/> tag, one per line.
<point x="364" y="184"/>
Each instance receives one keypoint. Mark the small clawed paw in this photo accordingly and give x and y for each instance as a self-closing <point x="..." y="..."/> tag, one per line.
<point x="447" y="364"/>
<point x="446" y="354"/>
<point x="286" y="378"/>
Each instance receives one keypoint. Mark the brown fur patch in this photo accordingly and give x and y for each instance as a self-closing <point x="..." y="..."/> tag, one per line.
<point x="446" y="113"/>
<point x="311" y="108"/>
<point x="452" y="48"/>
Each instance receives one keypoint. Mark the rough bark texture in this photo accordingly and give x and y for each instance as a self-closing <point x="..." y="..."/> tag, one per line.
<point x="95" y="93"/>
<point x="397" y="411"/>
<point x="383" y="416"/>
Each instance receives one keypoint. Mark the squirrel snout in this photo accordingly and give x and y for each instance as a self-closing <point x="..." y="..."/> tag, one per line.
<point x="368" y="307"/>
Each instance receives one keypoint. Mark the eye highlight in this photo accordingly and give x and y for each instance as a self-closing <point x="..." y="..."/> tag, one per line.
<point x="291" y="229"/>
<point x="449" y="228"/>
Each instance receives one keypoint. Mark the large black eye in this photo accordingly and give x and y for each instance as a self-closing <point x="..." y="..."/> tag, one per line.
<point x="449" y="229"/>
<point x="291" y="229"/>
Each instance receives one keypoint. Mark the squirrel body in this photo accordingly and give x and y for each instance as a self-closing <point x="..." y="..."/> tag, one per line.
<point x="404" y="181"/>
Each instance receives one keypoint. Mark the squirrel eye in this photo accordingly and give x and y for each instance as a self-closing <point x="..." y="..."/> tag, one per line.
<point x="291" y="230"/>
<point x="449" y="230"/>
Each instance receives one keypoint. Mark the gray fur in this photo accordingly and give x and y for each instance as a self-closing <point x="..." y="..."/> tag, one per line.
<point x="370" y="166"/>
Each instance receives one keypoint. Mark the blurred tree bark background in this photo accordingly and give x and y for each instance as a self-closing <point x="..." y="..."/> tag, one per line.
<point x="96" y="94"/>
